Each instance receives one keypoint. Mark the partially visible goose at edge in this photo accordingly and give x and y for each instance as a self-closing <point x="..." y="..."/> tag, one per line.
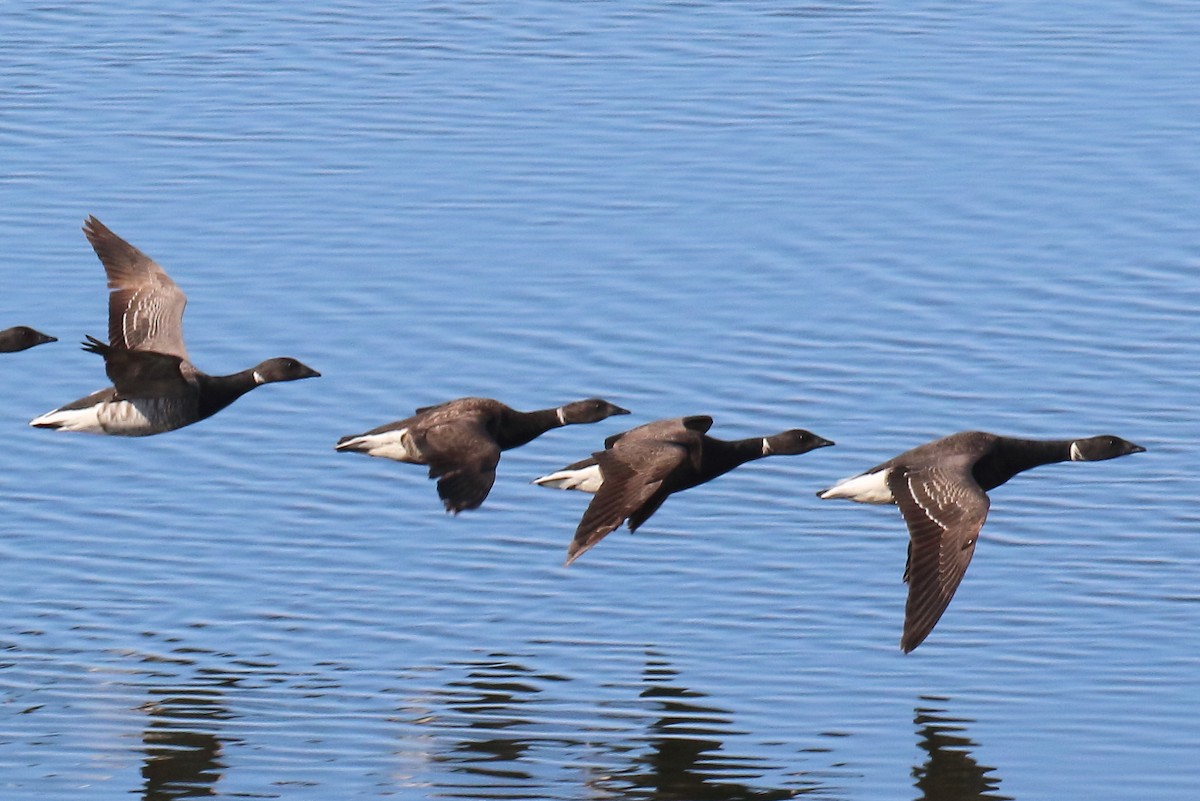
<point x="155" y="388"/>
<point x="941" y="489"/>
<point x="461" y="441"/>
<point x="640" y="467"/>
<point x="22" y="337"/>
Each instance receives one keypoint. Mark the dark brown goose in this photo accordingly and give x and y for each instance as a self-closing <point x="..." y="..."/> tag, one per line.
<point x="22" y="337"/>
<point x="639" y="468"/>
<point x="461" y="441"/>
<point x="941" y="488"/>
<point x="155" y="388"/>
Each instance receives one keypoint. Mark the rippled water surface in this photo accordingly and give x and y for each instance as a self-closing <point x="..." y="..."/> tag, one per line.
<point x="883" y="222"/>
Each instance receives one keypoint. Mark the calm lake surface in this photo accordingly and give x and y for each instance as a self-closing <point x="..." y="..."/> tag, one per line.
<point x="883" y="222"/>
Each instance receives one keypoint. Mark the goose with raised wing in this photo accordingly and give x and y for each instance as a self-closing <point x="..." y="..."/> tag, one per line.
<point x="156" y="387"/>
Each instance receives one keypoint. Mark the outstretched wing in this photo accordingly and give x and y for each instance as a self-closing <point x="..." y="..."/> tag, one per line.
<point x="945" y="508"/>
<point x="145" y="307"/>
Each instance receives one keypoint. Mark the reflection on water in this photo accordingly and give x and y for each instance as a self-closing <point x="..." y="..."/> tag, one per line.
<point x="181" y="745"/>
<point x="950" y="773"/>
<point x="685" y="756"/>
<point x="659" y="741"/>
<point x="488" y="703"/>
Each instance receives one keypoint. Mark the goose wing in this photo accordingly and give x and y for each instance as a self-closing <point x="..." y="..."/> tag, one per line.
<point x="945" y="509"/>
<point x="462" y="456"/>
<point x="633" y="487"/>
<point x="145" y="307"/>
<point x="142" y="373"/>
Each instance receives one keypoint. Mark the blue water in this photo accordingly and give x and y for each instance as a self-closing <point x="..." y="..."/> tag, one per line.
<point x="883" y="222"/>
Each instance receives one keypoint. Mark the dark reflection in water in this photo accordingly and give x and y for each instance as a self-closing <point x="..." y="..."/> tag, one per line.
<point x="489" y="700"/>
<point x="686" y="758"/>
<point x="950" y="773"/>
<point x="660" y="742"/>
<point x="182" y="748"/>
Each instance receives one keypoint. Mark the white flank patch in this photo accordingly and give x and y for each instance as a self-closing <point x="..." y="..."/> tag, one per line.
<point x="395" y="445"/>
<point x="1076" y="454"/>
<point x="585" y="479"/>
<point x="864" y="488"/>
<point x="115" y="418"/>
<point x="86" y="420"/>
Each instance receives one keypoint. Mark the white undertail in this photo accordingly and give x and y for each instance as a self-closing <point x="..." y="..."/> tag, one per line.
<point x="584" y="479"/>
<point x="397" y="445"/>
<point x="863" y="488"/>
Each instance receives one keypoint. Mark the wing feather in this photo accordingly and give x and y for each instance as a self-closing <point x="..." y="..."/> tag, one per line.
<point x="463" y="456"/>
<point x="944" y="509"/>
<point x="145" y="307"/>
<point x="633" y="482"/>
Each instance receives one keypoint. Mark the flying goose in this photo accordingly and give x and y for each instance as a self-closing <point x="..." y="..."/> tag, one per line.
<point x="156" y="387"/>
<point x="640" y="467"/>
<point x="941" y="488"/>
<point x="461" y="441"/>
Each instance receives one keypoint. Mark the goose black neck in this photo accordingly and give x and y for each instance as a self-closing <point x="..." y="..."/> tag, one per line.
<point x="218" y="391"/>
<point x="719" y="456"/>
<point x="1012" y="456"/>
<point x="514" y="428"/>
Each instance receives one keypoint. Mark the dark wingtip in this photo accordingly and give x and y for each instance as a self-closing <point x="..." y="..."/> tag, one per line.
<point x="454" y="507"/>
<point x="92" y="226"/>
<point x="575" y="550"/>
<point x="93" y="345"/>
<point x="910" y="640"/>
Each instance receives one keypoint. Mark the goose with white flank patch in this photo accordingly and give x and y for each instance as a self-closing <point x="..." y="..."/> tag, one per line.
<point x="155" y="388"/>
<point x="22" y="337"/>
<point x="461" y="441"/>
<point x="640" y="467"/>
<point x="941" y="488"/>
